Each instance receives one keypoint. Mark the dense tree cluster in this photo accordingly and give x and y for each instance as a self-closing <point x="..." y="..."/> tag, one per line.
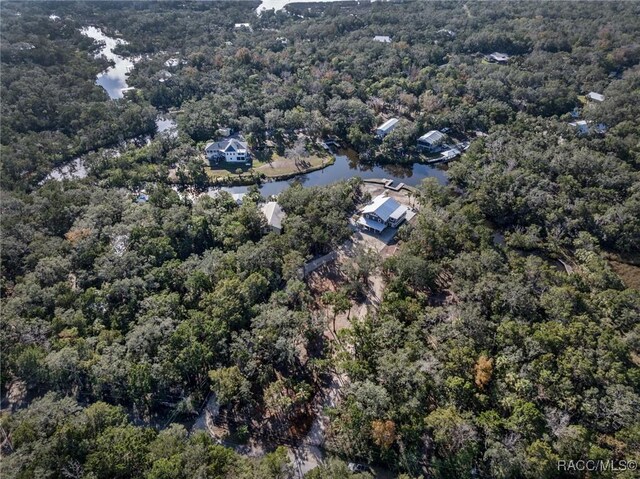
<point x="52" y="110"/>
<point x="56" y="437"/>
<point x="487" y="357"/>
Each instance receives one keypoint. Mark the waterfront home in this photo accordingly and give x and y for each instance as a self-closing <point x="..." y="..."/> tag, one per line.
<point x="386" y="127"/>
<point x="381" y="213"/>
<point x="231" y="150"/>
<point x="431" y="141"/>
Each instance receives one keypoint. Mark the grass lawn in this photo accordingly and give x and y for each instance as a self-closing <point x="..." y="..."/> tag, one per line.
<point x="224" y="169"/>
<point x="281" y="166"/>
<point x="273" y="167"/>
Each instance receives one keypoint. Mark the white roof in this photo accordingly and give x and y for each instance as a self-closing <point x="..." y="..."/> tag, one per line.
<point x="384" y="208"/>
<point x="382" y="38"/>
<point x="595" y="96"/>
<point x="374" y="225"/>
<point x="501" y="57"/>
<point x="273" y="213"/>
<point x="582" y="126"/>
<point x="432" y="136"/>
<point x="388" y="125"/>
<point x="451" y="33"/>
<point x="238" y="197"/>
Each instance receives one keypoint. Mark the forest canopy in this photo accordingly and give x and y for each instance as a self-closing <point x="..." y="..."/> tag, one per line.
<point x="506" y="336"/>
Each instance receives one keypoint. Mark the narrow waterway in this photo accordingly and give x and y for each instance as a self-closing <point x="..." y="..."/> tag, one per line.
<point x="347" y="165"/>
<point x="114" y="78"/>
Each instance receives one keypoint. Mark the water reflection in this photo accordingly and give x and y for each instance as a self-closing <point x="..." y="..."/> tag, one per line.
<point x="113" y="79"/>
<point x="347" y="166"/>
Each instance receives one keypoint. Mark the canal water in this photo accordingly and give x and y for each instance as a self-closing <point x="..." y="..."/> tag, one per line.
<point x="348" y="166"/>
<point x="113" y="79"/>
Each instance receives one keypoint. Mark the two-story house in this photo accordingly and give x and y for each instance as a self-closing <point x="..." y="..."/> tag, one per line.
<point x="381" y="213"/>
<point x="431" y="141"/>
<point x="230" y="149"/>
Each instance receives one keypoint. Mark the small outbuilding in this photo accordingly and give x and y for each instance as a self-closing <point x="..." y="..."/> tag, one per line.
<point x="581" y="126"/>
<point x="384" y="129"/>
<point x="593" y="96"/>
<point x="496" y="57"/>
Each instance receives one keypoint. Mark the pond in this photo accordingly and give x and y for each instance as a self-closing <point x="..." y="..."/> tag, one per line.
<point x="114" y="78"/>
<point x="347" y="166"/>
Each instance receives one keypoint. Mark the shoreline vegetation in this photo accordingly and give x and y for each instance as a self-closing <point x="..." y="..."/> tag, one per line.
<point x="279" y="169"/>
<point x="493" y="334"/>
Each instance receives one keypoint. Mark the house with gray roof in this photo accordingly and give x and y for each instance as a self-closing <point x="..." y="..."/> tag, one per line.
<point x="431" y="141"/>
<point x="230" y="149"/>
<point x="381" y="213"/>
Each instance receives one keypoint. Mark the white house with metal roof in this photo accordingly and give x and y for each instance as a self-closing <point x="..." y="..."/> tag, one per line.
<point x="381" y="213"/>
<point x="386" y="127"/>
<point x="231" y="150"/>
<point x="274" y="216"/>
<point x="431" y="141"/>
<point x="593" y="96"/>
<point x="496" y="57"/>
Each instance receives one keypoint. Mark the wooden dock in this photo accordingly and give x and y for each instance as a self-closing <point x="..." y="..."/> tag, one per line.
<point x="388" y="184"/>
